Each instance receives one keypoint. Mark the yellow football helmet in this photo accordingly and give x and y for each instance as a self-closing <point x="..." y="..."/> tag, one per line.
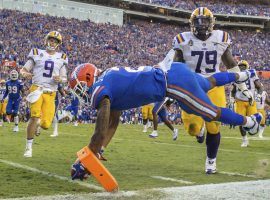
<point x="202" y="21"/>
<point x="243" y="64"/>
<point x="56" y="35"/>
<point x="2" y="82"/>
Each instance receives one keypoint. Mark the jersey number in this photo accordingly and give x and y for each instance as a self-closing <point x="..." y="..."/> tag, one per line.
<point x="12" y="89"/>
<point x="49" y="65"/>
<point x="210" y="59"/>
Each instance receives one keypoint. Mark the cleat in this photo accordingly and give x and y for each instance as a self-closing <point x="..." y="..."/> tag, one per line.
<point x="210" y="166"/>
<point x="175" y="134"/>
<point x="245" y="143"/>
<point x="200" y="139"/>
<point x="144" y="130"/>
<point x="75" y="124"/>
<point x="154" y="134"/>
<point x="28" y="153"/>
<point x="201" y="136"/>
<point x="254" y="129"/>
<point x="79" y="172"/>
<point x="1" y="123"/>
<point x="54" y="135"/>
<point x="16" y="129"/>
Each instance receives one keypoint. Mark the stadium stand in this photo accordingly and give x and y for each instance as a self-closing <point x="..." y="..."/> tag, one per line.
<point x="217" y="6"/>
<point x="137" y="42"/>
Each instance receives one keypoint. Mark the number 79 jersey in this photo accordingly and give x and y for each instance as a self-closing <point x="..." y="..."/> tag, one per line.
<point x="203" y="57"/>
<point x="46" y="66"/>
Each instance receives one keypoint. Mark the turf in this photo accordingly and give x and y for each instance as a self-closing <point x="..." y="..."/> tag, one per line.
<point x="133" y="159"/>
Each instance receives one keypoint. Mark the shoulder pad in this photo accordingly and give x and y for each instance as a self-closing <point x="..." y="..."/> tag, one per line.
<point x="35" y="51"/>
<point x="225" y="37"/>
<point x="64" y="56"/>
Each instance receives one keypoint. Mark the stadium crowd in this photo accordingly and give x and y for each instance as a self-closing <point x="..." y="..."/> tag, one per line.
<point x="216" y="6"/>
<point x="135" y="43"/>
<point x="105" y="45"/>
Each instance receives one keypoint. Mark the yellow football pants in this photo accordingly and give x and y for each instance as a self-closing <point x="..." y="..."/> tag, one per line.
<point x="193" y="123"/>
<point x="43" y="108"/>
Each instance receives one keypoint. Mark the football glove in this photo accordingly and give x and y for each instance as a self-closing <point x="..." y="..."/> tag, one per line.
<point x="79" y="172"/>
<point x="250" y="97"/>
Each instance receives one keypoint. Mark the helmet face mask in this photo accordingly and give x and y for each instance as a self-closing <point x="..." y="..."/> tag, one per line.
<point x="14" y="75"/>
<point x="80" y="90"/>
<point x="202" y="22"/>
<point x="243" y="65"/>
<point x="82" y="78"/>
<point x="53" y="40"/>
<point x="201" y="25"/>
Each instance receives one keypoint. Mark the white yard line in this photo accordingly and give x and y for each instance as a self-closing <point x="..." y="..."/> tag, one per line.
<point x="191" y="146"/>
<point x="238" y="174"/>
<point x="25" y="167"/>
<point x="250" y="138"/>
<point x="248" y="190"/>
<point x="173" y="180"/>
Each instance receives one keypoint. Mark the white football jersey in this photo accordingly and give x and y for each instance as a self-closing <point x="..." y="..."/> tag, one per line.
<point x="202" y="57"/>
<point x="2" y="92"/>
<point x="46" y="66"/>
<point x="260" y="100"/>
<point x="250" y="86"/>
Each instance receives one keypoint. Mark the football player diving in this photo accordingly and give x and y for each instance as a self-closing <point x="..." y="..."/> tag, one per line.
<point x="119" y="88"/>
<point x="203" y="50"/>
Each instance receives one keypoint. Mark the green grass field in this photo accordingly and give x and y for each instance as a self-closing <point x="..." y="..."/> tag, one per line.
<point x="134" y="159"/>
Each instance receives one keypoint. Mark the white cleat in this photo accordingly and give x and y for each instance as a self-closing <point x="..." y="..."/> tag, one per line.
<point x="210" y="166"/>
<point x="75" y="124"/>
<point x="54" y="135"/>
<point x="175" y="134"/>
<point x="245" y="143"/>
<point x="16" y="129"/>
<point x="1" y="123"/>
<point x="144" y="130"/>
<point x="254" y="128"/>
<point x="28" y="153"/>
<point x="154" y="134"/>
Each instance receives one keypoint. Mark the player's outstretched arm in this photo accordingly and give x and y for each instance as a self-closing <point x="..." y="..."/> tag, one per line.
<point x="113" y="124"/>
<point x="102" y="125"/>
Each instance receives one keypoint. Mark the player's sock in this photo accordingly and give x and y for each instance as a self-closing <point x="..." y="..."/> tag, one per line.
<point x="229" y="117"/>
<point x="16" y="120"/>
<point x="212" y="143"/>
<point x="29" y="143"/>
<point x="224" y="78"/>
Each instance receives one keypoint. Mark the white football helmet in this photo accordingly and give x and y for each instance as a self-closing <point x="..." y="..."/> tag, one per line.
<point x="14" y="75"/>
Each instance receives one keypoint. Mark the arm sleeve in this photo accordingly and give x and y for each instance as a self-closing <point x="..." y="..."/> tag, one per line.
<point x="29" y="65"/>
<point x="177" y="42"/>
<point x="98" y="94"/>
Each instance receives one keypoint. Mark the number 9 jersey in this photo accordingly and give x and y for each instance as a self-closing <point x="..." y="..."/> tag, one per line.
<point x="46" y="66"/>
<point x="203" y="57"/>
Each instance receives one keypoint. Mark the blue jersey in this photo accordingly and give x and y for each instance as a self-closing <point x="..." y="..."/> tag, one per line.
<point x="127" y="88"/>
<point x="74" y="101"/>
<point x="13" y="89"/>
